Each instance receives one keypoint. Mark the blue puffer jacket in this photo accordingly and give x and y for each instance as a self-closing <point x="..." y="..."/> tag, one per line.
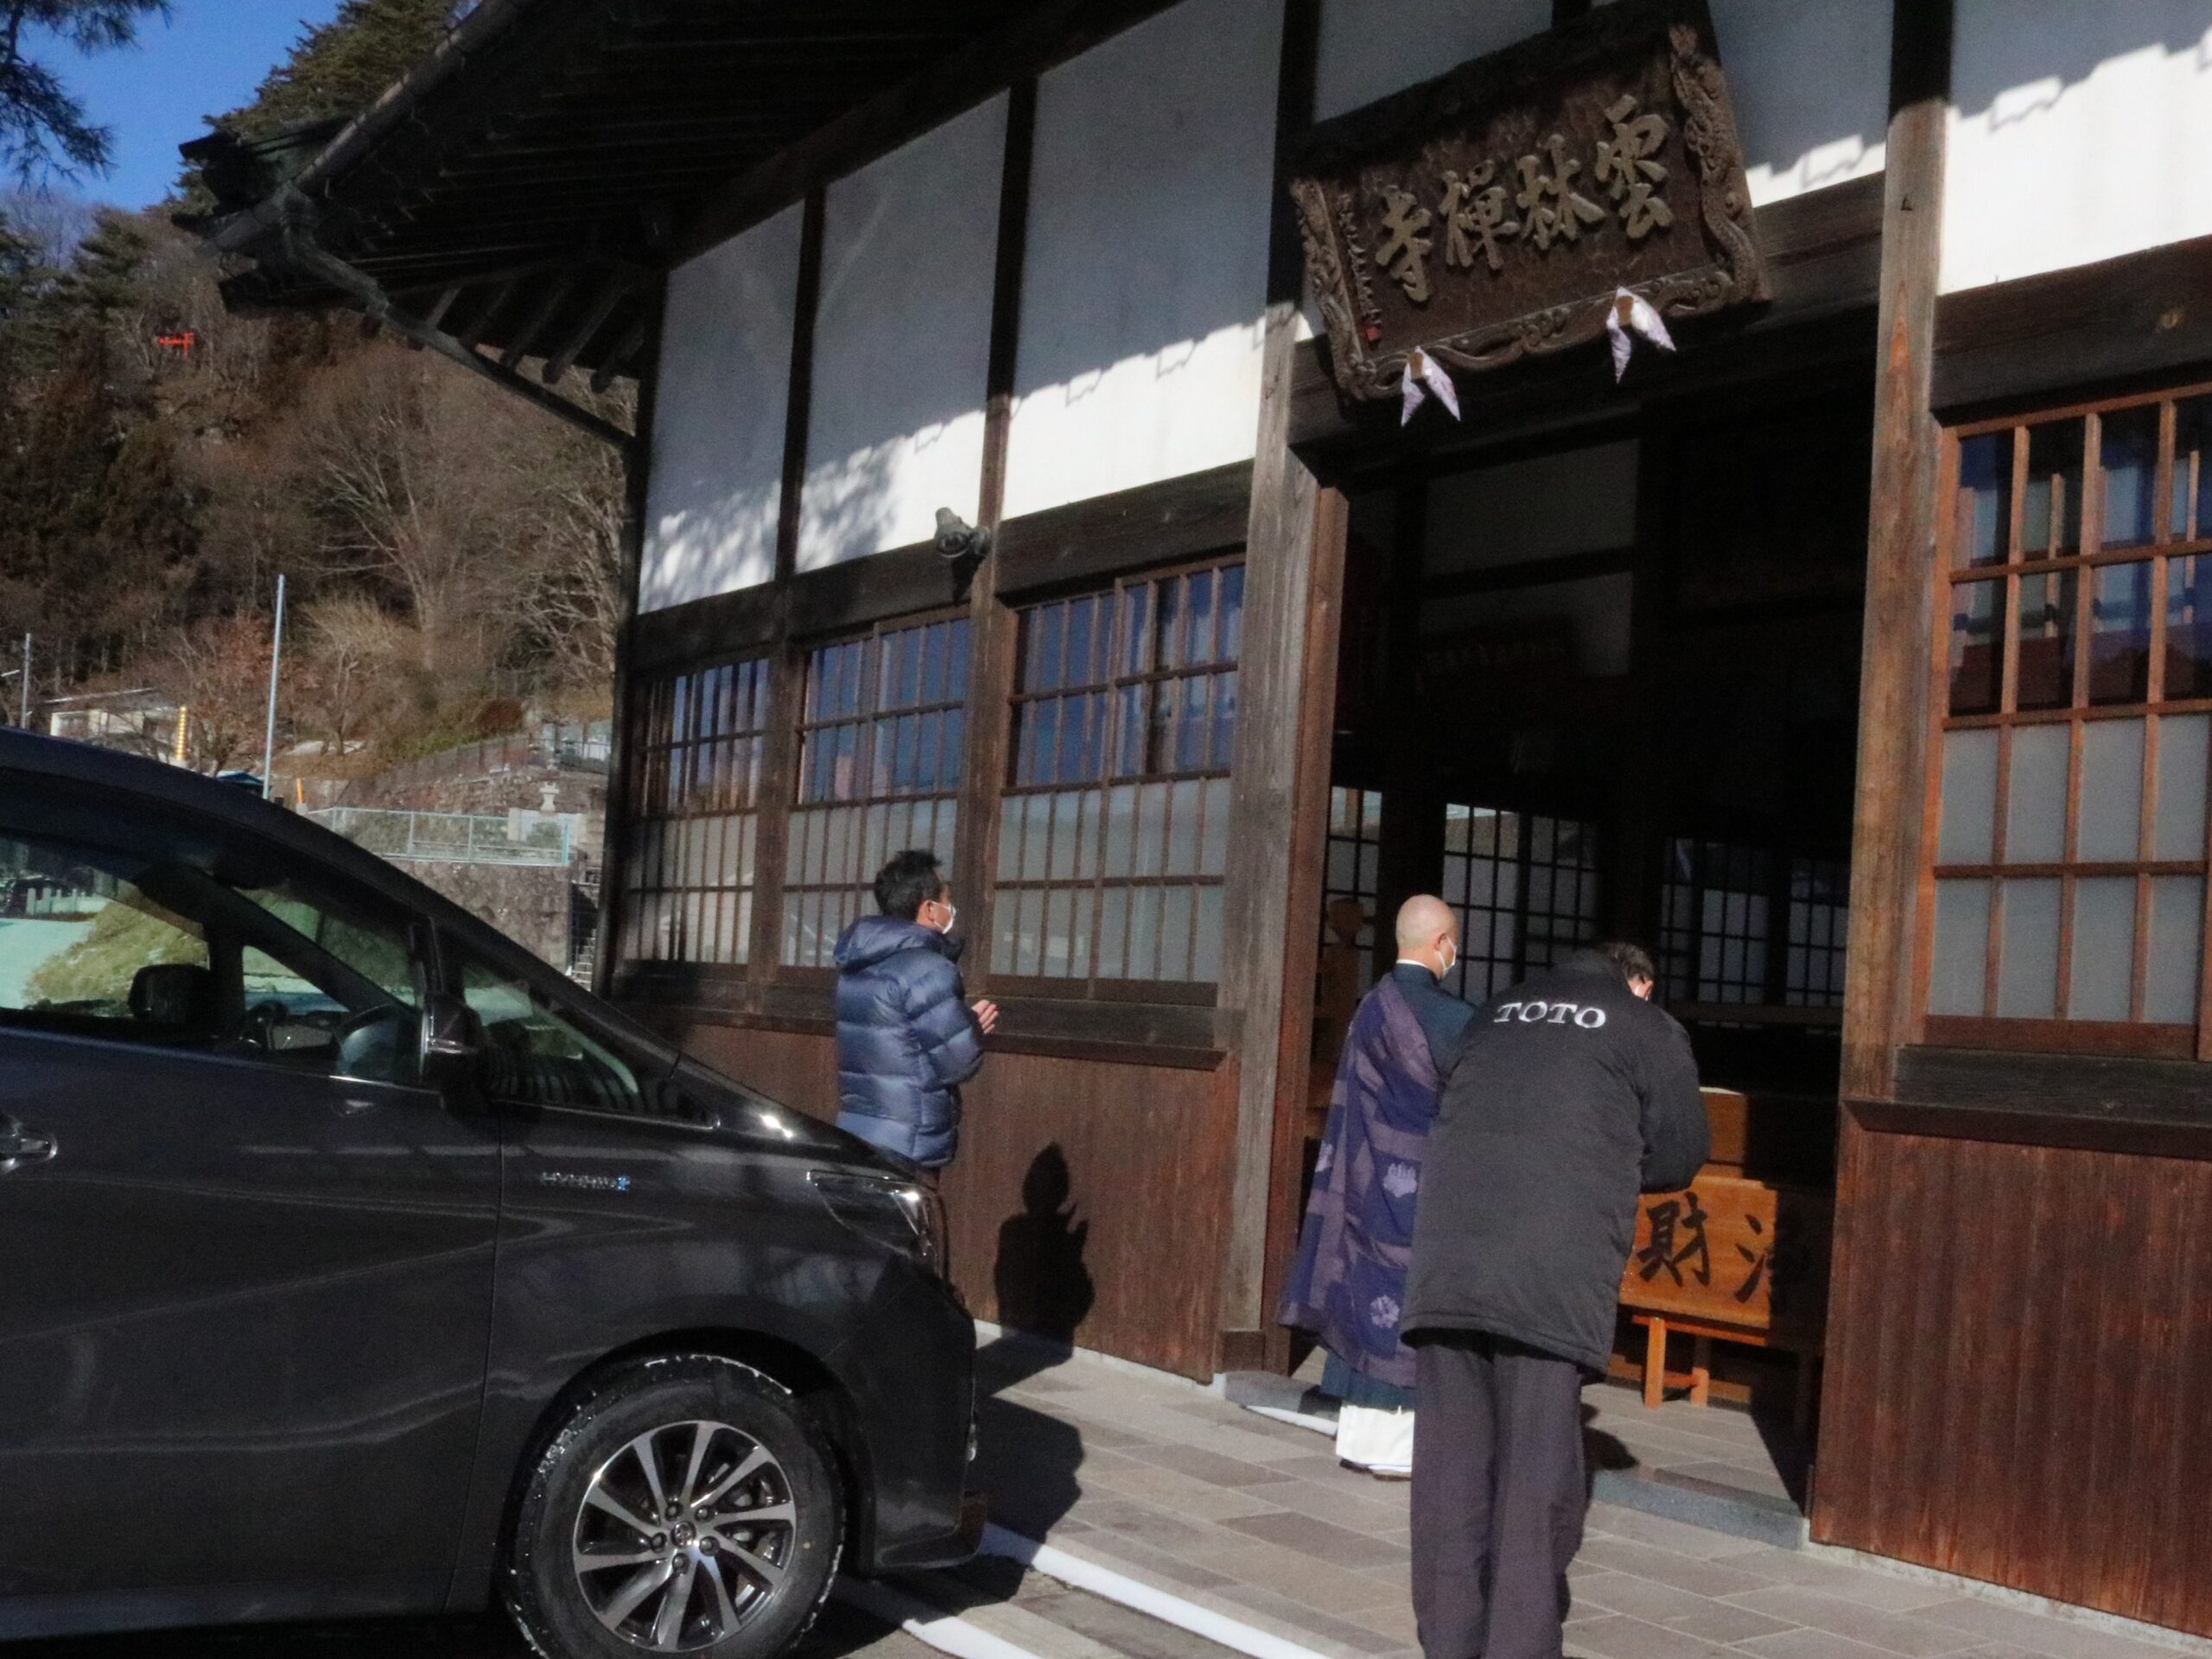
<point x="906" y="1039"/>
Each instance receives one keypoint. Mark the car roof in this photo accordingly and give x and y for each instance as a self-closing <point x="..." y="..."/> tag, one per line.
<point x="153" y="780"/>
<point x="211" y="798"/>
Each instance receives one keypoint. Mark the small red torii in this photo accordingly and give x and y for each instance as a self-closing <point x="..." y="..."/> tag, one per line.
<point x="181" y="343"/>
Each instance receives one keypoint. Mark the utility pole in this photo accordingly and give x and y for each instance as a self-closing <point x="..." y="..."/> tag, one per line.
<point x="276" y="662"/>
<point x="23" y="691"/>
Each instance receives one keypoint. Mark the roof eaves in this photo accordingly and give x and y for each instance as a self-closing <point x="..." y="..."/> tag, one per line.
<point x="360" y="136"/>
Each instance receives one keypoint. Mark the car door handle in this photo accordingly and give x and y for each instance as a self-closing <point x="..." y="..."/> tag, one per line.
<point x="19" y="1147"/>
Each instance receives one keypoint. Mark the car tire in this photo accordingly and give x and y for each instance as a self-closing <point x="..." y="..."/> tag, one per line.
<point x="743" y="1550"/>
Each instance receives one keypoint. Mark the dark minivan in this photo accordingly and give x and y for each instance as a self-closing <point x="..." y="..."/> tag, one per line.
<point x="352" y="1261"/>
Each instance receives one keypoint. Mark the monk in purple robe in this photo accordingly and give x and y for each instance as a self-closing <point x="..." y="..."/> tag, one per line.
<point x="1347" y="1286"/>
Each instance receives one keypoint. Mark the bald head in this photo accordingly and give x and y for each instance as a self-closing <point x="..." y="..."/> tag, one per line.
<point x="1428" y="932"/>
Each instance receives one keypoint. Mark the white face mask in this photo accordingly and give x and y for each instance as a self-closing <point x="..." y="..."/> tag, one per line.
<point x="1452" y="963"/>
<point x="951" y="915"/>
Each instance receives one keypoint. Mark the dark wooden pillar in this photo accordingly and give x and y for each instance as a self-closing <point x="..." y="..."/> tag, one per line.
<point x="1896" y="676"/>
<point x="1634" y="847"/>
<point x="1275" y="679"/>
<point x="621" y="759"/>
<point x="991" y="641"/>
<point x="786" y="674"/>
<point x="1900" y="626"/>
<point x="1301" y="938"/>
<point x="1410" y="841"/>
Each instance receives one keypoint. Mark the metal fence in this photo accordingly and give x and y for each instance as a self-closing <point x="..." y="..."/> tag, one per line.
<point x="453" y="837"/>
<point x="574" y="746"/>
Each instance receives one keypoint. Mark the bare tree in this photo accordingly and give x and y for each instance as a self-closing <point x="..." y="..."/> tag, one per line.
<point x="348" y="649"/>
<point x="399" y="446"/>
<point x="218" y="672"/>
<point x="51" y="225"/>
<point x="577" y="491"/>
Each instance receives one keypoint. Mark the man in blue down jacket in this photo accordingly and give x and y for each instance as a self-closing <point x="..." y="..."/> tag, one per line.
<point x="906" y="1037"/>
<point x="1567" y="1096"/>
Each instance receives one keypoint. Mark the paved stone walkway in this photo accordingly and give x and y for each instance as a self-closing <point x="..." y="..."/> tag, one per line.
<point x="1732" y="1469"/>
<point x="1164" y="1482"/>
<point x="1725" y="1448"/>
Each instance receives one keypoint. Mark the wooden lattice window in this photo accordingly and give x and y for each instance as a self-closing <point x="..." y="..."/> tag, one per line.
<point x="2068" y="788"/>
<point x="1525" y="885"/>
<point x="1715" y="923"/>
<point x="1720" y="905"/>
<point x="700" y="739"/>
<point x="1352" y="872"/>
<point x="1819" y="926"/>
<point x="1114" y="837"/>
<point x="883" y="738"/>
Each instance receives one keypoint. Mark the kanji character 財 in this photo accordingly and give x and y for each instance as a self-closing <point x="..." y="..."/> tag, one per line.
<point x="1661" y="1253"/>
<point x="1404" y="251"/>
<point x="1474" y="214"/>
<point x="1550" y="205"/>
<point x="1626" y="168"/>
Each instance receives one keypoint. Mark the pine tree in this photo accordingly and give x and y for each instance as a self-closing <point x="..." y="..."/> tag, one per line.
<point x="22" y="273"/>
<point x="106" y="274"/>
<point x="43" y="130"/>
<point x="345" y="66"/>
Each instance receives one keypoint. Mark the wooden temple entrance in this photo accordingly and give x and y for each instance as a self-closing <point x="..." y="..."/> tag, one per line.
<point x="1606" y="684"/>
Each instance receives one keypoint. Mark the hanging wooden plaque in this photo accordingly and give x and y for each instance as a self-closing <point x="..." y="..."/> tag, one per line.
<point x="1491" y="215"/>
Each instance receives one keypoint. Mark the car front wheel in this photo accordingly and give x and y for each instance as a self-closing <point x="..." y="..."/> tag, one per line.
<point x="687" y="1506"/>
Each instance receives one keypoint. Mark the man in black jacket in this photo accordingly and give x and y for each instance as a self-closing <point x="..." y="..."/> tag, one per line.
<point x="1568" y="1096"/>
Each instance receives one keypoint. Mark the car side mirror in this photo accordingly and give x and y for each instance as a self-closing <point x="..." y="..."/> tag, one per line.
<point x="452" y="1039"/>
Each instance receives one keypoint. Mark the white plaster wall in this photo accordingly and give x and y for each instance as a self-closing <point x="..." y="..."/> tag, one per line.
<point x="1370" y="48"/>
<point x="1146" y="273"/>
<point x="902" y="342"/>
<point x="716" y="484"/>
<point x="1810" y="83"/>
<point x="2081" y="130"/>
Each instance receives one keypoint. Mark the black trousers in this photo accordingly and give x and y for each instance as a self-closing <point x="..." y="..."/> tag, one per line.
<point x="1497" y="1498"/>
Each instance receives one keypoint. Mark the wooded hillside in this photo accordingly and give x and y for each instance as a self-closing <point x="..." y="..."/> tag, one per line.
<point x="451" y="552"/>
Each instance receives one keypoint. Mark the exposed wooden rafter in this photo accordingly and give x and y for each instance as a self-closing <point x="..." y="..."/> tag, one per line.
<point x="365" y="292"/>
<point x="587" y="135"/>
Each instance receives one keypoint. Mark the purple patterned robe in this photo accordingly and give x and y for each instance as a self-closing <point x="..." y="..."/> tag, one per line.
<point x="1347" y="1285"/>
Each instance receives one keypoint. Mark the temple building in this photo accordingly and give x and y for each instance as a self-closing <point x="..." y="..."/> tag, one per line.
<point x="1170" y="459"/>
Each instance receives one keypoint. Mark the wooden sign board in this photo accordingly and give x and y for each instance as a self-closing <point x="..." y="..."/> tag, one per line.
<point x="1733" y="1252"/>
<point x="1491" y="213"/>
<point x="1484" y="664"/>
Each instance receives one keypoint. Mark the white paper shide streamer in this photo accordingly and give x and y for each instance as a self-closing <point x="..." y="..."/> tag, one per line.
<point x="1425" y="375"/>
<point x="1632" y="312"/>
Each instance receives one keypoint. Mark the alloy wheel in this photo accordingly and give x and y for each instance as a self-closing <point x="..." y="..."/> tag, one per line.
<point x="684" y="1535"/>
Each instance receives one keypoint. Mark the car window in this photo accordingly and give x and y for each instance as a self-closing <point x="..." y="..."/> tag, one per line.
<point x="533" y="1054"/>
<point x="268" y="980"/>
<point x="148" y="940"/>
<point x="75" y="941"/>
<point x="380" y="955"/>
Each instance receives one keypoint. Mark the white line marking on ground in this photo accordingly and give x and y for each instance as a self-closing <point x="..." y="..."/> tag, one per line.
<point x="1158" y="1604"/>
<point x="1296" y="1419"/>
<point x="946" y="1632"/>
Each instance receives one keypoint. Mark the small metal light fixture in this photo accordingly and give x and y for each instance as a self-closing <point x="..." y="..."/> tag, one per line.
<point x="956" y="539"/>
